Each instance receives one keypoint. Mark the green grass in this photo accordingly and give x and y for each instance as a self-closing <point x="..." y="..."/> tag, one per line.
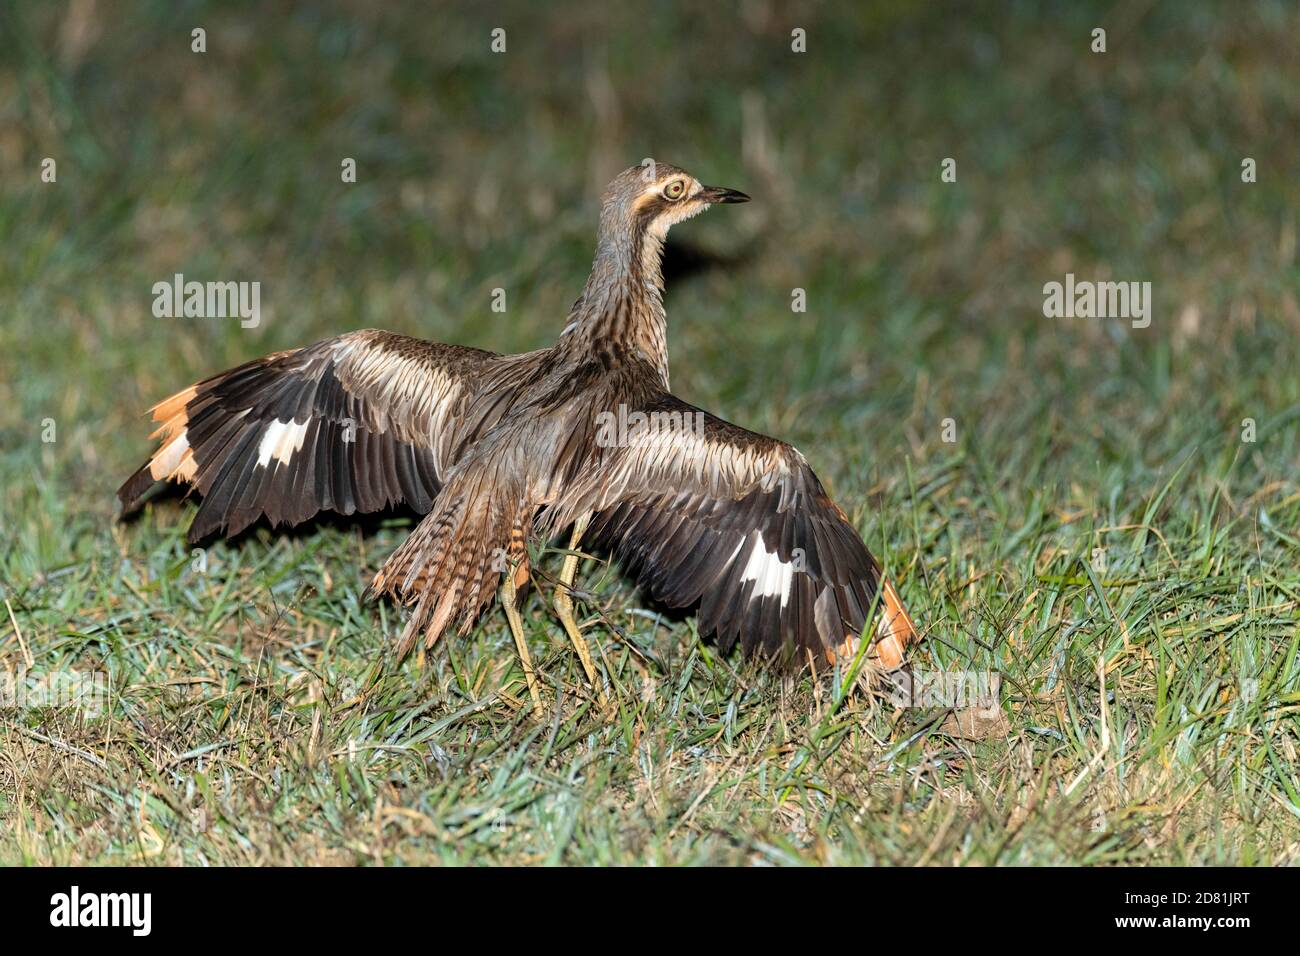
<point x="1151" y="706"/>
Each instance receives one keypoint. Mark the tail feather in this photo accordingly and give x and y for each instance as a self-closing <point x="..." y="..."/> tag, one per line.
<point x="448" y="568"/>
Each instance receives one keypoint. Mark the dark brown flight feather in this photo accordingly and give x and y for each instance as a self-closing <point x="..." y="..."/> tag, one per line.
<point x="494" y="449"/>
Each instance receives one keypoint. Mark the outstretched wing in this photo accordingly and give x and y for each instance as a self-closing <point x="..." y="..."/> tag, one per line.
<point x="704" y="512"/>
<point x="353" y="423"/>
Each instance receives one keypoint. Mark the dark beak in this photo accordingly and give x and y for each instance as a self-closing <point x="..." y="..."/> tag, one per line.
<point x="720" y="194"/>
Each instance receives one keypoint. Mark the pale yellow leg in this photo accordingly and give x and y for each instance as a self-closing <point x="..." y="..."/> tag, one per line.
<point x="564" y="608"/>
<point x="508" y="601"/>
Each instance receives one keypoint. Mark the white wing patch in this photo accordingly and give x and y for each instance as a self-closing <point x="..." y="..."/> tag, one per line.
<point x="281" y="441"/>
<point x="773" y="576"/>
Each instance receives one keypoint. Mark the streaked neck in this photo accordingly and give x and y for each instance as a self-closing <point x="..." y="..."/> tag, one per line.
<point x="621" y="310"/>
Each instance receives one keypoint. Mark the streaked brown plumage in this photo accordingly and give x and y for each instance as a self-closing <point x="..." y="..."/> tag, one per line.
<point x="495" y="449"/>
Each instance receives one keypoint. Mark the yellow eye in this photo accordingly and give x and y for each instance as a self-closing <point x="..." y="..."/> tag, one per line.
<point x="675" y="189"/>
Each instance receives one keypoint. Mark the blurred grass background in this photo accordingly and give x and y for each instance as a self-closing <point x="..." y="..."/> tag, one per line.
<point x="1150" y="707"/>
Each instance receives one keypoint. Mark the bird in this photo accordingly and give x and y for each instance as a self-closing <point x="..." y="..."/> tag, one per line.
<point x="496" y="451"/>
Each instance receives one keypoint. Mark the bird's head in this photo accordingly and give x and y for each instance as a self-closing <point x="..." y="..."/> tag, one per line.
<point x="651" y="197"/>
